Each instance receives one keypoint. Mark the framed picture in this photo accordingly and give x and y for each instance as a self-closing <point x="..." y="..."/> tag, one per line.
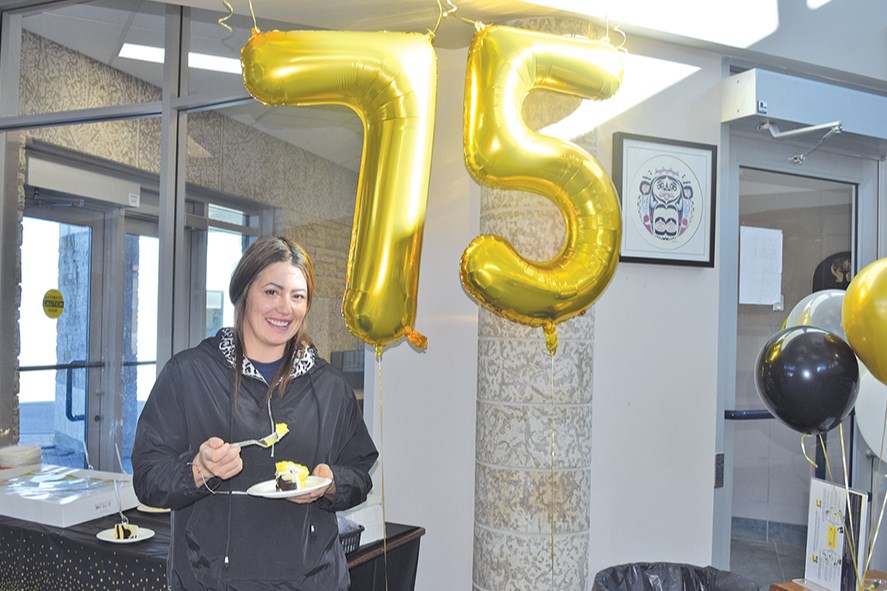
<point x="667" y="189"/>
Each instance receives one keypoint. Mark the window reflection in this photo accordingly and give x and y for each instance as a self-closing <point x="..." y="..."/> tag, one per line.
<point x="69" y="56"/>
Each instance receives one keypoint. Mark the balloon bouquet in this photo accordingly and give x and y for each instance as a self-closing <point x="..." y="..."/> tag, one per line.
<point x="830" y="357"/>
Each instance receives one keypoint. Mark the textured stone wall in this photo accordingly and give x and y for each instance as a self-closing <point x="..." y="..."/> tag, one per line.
<point x="533" y="410"/>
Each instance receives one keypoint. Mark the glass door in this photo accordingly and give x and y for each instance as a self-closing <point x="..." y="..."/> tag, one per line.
<point x="59" y="318"/>
<point x="823" y="215"/>
<point x="812" y="221"/>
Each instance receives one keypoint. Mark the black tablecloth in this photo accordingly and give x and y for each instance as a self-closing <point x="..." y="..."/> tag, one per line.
<point x="40" y="557"/>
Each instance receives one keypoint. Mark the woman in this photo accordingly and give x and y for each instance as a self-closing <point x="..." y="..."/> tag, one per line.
<point x="183" y="455"/>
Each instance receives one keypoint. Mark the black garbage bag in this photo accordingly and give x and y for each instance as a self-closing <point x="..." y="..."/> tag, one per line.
<point x="665" y="576"/>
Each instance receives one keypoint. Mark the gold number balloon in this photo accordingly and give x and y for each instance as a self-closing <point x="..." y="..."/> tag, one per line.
<point x="504" y="65"/>
<point x="390" y="81"/>
<point x="864" y="316"/>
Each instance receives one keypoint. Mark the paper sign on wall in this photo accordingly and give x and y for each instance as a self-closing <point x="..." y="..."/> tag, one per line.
<point x="760" y="265"/>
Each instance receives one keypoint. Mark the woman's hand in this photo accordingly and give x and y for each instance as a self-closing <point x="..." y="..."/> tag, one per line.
<point x="328" y="491"/>
<point x="216" y="458"/>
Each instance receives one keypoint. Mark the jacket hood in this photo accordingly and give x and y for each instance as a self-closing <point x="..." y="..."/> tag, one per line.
<point x="302" y="363"/>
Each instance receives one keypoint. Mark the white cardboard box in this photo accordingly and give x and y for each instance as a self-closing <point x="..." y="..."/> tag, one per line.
<point x="61" y="496"/>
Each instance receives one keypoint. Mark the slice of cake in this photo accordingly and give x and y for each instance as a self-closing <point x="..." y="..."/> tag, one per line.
<point x="280" y="429"/>
<point x="290" y="475"/>
<point x="125" y="531"/>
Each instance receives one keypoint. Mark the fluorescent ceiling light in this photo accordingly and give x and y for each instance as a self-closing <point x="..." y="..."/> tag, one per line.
<point x="736" y="24"/>
<point x="201" y="61"/>
<point x="644" y="77"/>
<point x="144" y="53"/>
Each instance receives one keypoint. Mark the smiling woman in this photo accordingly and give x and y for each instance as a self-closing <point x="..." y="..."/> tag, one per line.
<point x="183" y="459"/>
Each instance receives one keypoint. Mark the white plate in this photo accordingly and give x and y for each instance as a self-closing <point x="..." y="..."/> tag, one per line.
<point x="147" y="509"/>
<point x="107" y="535"/>
<point x="268" y="489"/>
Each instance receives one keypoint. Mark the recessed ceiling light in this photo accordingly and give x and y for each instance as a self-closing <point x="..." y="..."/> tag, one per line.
<point x="144" y="53"/>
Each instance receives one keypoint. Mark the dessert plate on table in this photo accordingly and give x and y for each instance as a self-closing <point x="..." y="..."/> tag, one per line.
<point x="107" y="535"/>
<point x="268" y="488"/>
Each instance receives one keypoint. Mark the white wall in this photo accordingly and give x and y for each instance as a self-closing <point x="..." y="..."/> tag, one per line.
<point x="655" y="366"/>
<point x="655" y="405"/>
<point x="429" y="398"/>
<point x="846" y="35"/>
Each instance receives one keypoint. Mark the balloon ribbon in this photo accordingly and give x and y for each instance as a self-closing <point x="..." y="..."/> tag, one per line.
<point x="873" y="537"/>
<point x="382" y="466"/>
<point x="551" y="479"/>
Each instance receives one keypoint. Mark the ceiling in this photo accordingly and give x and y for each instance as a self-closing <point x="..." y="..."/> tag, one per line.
<point x="98" y="29"/>
<point x="384" y="15"/>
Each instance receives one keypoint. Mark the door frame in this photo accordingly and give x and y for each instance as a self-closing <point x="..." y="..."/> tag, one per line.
<point x="747" y="150"/>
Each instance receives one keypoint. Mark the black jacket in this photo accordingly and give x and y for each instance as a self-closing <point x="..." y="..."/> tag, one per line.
<point x="230" y="540"/>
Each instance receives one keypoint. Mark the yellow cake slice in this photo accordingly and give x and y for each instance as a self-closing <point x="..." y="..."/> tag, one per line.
<point x="290" y="475"/>
<point x="125" y="531"/>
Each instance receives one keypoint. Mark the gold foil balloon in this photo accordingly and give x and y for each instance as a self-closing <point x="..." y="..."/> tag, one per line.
<point x="504" y="65"/>
<point x="390" y="81"/>
<point x="864" y="316"/>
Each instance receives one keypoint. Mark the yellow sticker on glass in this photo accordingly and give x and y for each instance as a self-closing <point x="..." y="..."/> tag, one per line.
<point x="53" y="303"/>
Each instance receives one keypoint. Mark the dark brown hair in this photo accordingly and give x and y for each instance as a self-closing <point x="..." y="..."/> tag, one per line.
<point x="265" y="251"/>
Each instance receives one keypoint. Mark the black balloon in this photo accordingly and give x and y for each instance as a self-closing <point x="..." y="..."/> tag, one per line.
<point x="808" y="378"/>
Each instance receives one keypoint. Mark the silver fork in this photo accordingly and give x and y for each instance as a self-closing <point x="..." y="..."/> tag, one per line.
<point x="123" y="518"/>
<point x="266" y="441"/>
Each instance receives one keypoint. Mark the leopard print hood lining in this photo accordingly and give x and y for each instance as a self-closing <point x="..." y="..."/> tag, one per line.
<point x="301" y="364"/>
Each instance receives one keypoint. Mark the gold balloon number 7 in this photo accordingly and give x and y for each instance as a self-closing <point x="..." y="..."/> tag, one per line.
<point x="390" y="80"/>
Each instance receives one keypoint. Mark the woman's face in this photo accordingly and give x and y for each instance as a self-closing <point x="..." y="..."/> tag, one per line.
<point x="276" y="303"/>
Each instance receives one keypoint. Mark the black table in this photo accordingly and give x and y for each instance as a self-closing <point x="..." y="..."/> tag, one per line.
<point x="40" y="557"/>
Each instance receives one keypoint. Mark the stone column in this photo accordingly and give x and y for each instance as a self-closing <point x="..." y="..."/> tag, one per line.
<point x="525" y="396"/>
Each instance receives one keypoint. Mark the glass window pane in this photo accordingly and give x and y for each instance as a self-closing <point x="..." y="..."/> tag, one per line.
<point x="214" y="58"/>
<point x="70" y="56"/>
<point x="223" y="250"/>
<point x="226" y="214"/>
<point x="313" y="198"/>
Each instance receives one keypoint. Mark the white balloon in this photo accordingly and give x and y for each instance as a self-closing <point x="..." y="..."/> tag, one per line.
<point x="821" y="309"/>
<point x="871" y="411"/>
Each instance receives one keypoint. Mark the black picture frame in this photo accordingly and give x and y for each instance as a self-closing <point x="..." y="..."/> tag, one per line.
<point x="667" y="190"/>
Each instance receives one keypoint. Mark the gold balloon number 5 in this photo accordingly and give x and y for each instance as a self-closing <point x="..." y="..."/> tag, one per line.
<point x="504" y="65"/>
<point x="390" y="81"/>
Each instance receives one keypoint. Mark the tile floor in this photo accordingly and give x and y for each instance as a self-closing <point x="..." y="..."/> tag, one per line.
<point x="766" y="562"/>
